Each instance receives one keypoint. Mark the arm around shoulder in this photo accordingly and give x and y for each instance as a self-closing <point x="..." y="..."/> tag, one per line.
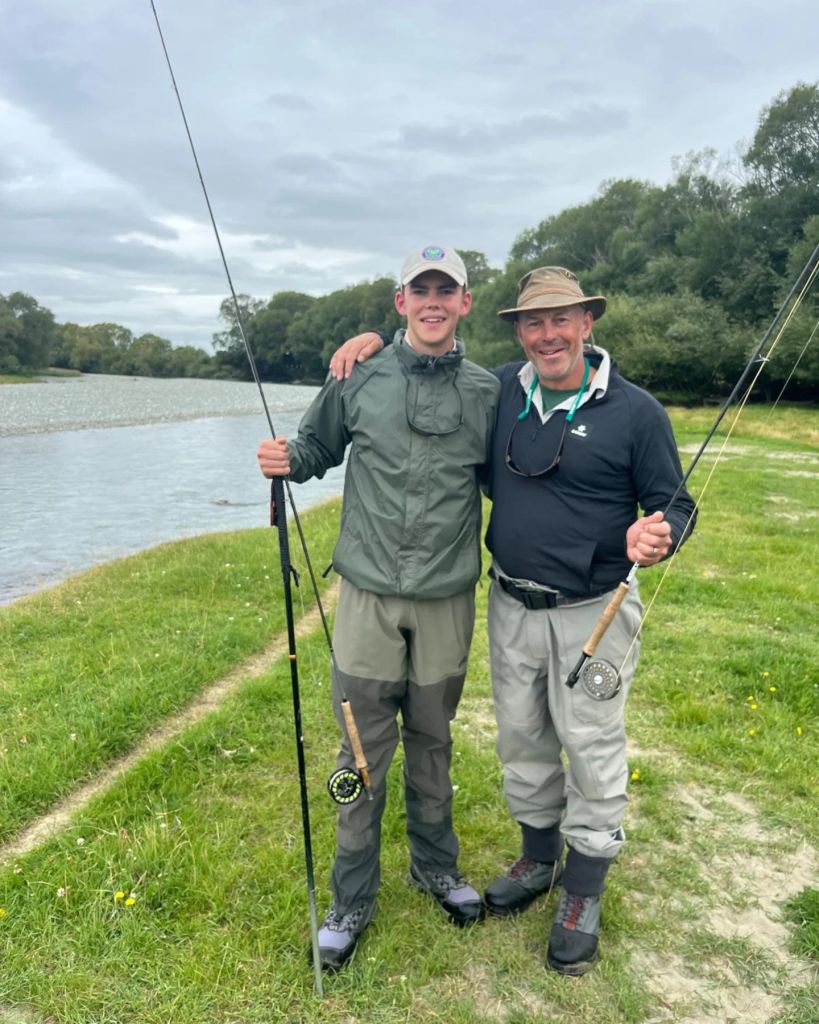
<point x="356" y="350"/>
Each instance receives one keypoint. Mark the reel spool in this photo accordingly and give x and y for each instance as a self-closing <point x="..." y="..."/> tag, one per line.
<point x="600" y="679"/>
<point x="345" y="785"/>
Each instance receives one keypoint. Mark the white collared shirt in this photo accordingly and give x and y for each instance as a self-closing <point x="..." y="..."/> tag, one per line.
<point x="598" y="386"/>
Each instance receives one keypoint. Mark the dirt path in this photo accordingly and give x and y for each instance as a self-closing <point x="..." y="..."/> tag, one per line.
<point x="59" y="817"/>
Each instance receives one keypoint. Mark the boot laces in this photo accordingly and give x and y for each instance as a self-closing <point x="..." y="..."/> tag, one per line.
<point x="344" y="922"/>
<point x="572" y="910"/>
<point x="521" y="867"/>
<point x="446" y="883"/>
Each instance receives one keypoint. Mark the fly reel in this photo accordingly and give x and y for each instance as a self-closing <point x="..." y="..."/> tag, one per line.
<point x="600" y="679"/>
<point x="345" y="785"/>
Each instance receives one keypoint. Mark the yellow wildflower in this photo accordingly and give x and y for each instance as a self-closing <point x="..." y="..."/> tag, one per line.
<point x="765" y="675"/>
<point x="754" y="707"/>
<point x="3" y="911"/>
<point x="635" y="775"/>
<point x="771" y="689"/>
<point x="130" y="901"/>
<point x="119" y="895"/>
<point x="799" y="730"/>
<point x="752" y="732"/>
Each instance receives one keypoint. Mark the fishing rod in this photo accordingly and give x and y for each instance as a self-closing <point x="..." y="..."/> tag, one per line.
<point x="345" y="784"/>
<point x="287" y="569"/>
<point x="600" y="679"/>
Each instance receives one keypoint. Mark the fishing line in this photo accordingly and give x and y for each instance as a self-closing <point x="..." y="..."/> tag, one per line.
<point x="721" y="451"/>
<point x="794" y="368"/>
<point x="804" y="281"/>
<point x="345" y="784"/>
<point x="600" y="679"/>
<point x="278" y="487"/>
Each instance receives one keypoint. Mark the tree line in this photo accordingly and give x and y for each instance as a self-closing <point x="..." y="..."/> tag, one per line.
<point x="31" y="340"/>
<point x="694" y="272"/>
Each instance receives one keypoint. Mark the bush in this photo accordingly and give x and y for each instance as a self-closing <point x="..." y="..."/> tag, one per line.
<point x="677" y="345"/>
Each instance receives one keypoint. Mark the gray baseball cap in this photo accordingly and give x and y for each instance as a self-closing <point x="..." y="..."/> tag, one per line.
<point x="433" y="257"/>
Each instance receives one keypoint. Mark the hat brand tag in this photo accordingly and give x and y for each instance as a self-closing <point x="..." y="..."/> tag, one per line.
<point x="433" y="253"/>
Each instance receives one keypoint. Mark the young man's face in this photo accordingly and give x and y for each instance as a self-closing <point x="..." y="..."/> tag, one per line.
<point x="553" y="342"/>
<point x="432" y="304"/>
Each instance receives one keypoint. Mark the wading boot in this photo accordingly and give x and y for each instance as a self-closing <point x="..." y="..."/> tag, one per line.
<point x="454" y="895"/>
<point x="521" y="884"/>
<point x="574" y="937"/>
<point x="339" y="934"/>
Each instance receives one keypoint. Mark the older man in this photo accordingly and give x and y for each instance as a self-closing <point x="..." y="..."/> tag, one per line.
<point x="577" y="450"/>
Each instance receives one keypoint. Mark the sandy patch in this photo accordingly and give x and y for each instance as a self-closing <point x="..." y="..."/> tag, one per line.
<point x="753" y="872"/>
<point x="688" y="998"/>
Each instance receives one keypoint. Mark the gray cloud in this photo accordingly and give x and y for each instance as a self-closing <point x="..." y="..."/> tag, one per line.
<point x="290" y="101"/>
<point x="333" y="136"/>
<point x="464" y="141"/>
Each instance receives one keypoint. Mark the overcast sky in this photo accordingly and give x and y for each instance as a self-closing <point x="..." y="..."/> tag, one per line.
<point x="335" y="135"/>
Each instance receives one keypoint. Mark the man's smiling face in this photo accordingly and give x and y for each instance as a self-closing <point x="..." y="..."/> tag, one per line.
<point x="553" y="342"/>
<point x="432" y="304"/>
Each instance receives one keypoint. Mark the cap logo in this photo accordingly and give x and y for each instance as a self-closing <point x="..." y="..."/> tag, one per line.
<point x="433" y="252"/>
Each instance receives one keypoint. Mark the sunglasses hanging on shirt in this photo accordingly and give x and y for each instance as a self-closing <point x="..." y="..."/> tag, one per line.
<point x="555" y="461"/>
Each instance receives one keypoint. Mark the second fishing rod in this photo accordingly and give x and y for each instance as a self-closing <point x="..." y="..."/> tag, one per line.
<point x="600" y="678"/>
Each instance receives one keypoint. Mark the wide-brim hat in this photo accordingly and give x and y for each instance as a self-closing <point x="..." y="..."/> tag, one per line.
<point x="549" y="288"/>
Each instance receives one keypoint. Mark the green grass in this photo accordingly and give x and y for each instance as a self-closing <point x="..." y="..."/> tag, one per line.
<point x="88" y="667"/>
<point x="804" y="912"/>
<point x="206" y="833"/>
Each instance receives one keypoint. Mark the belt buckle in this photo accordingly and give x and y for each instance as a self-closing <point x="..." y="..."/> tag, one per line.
<point x="538" y="600"/>
<point x="533" y="600"/>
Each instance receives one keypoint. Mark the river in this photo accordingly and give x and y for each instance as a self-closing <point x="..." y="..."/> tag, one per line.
<point x="96" y="467"/>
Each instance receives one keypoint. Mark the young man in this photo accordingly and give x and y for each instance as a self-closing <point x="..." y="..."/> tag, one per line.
<point x="418" y="420"/>
<point x="577" y="449"/>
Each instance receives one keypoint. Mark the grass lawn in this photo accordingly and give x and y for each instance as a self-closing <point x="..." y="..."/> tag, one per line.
<point x="177" y="893"/>
<point x="30" y="378"/>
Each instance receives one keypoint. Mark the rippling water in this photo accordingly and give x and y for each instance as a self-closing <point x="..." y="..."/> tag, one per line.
<point x="96" y="467"/>
<point x="99" y="400"/>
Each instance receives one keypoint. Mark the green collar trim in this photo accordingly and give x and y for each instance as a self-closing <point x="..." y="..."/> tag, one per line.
<point x="577" y="398"/>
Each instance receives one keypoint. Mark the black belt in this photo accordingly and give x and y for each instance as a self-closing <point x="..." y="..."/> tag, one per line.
<point x="536" y="600"/>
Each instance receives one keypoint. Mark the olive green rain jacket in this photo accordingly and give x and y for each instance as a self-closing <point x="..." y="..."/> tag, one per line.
<point x="419" y="429"/>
